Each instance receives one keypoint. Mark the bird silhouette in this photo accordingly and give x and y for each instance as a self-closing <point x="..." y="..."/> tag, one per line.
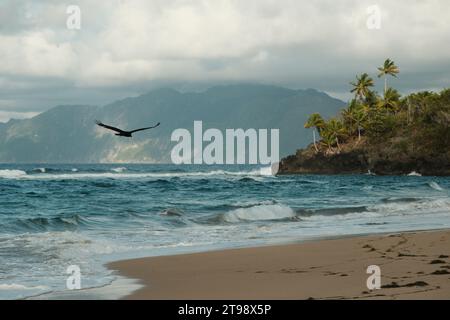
<point x="121" y="132"/>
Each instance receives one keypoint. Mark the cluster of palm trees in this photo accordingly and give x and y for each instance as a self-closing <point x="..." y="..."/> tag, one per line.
<point x="361" y="112"/>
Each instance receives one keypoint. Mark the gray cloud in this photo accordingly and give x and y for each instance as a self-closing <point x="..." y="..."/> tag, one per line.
<point x="128" y="47"/>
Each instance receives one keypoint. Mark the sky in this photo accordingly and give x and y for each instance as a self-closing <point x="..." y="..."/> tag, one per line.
<point x="125" y="48"/>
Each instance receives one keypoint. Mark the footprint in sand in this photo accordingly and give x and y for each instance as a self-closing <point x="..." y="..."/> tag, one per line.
<point x="437" y="262"/>
<point x="291" y="271"/>
<point x="408" y="285"/>
<point x="440" y="272"/>
<point x="371" y="249"/>
<point x="406" y="255"/>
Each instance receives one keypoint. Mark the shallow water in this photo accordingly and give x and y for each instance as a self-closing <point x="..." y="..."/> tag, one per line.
<point x="54" y="216"/>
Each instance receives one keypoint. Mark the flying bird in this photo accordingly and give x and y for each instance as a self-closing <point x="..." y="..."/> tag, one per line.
<point x="121" y="132"/>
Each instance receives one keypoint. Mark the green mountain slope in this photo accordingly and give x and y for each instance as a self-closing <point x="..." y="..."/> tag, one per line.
<point x="68" y="133"/>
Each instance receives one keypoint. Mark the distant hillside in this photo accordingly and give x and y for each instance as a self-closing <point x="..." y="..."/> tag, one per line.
<point x="67" y="134"/>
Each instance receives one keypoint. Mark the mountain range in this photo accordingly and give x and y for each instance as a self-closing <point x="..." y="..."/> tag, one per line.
<point x="68" y="134"/>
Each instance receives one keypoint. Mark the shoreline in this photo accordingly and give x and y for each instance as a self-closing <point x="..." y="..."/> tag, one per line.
<point x="414" y="265"/>
<point x="115" y="290"/>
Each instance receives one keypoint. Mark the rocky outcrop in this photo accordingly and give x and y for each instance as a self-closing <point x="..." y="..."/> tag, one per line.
<point x="307" y="163"/>
<point x="363" y="160"/>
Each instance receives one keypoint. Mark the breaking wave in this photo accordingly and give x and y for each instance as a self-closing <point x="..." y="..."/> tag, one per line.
<point x="41" y="224"/>
<point x="120" y="173"/>
<point x="279" y="212"/>
<point x="388" y="207"/>
<point x="412" y="207"/>
<point x="12" y="174"/>
<point x="259" y="213"/>
<point x="15" y="286"/>
<point x="435" y="186"/>
<point x="330" y="211"/>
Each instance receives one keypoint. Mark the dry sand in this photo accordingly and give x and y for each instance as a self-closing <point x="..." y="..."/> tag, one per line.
<point x="413" y="266"/>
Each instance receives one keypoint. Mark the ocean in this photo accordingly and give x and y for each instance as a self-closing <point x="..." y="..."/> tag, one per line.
<point x="55" y="216"/>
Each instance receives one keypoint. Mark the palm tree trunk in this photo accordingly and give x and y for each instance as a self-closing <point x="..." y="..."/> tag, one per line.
<point x="385" y="84"/>
<point x="409" y="113"/>
<point x="314" y="137"/>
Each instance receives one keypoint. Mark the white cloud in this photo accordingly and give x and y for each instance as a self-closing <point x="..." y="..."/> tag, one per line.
<point x="321" y="43"/>
<point x="36" y="54"/>
<point x="5" y="116"/>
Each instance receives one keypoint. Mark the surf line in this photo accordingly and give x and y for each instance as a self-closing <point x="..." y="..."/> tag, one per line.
<point x="239" y="146"/>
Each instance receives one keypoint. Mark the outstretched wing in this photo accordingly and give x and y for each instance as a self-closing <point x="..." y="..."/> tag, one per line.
<point x="108" y="127"/>
<point x="141" y="129"/>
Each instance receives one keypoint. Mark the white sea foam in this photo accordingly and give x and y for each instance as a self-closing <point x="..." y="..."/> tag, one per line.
<point x="12" y="174"/>
<point x="15" y="286"/>
<point x="268" y="171"/>
<point x="118" y="288"/>
<point x="414" y="174"/>
<point x="262" y="212"/>
<point x="435" y="186"/>
<point x="416" y="207"/>
<point x="118" y="173"/>
<point x="391" y="209"/>
<point x="247" y="204"/>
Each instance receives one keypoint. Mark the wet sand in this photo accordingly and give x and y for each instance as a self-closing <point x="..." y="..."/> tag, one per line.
<point x="413" y="265"/>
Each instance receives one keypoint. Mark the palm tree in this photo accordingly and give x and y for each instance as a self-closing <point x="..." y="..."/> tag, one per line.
<point x="328" y="140"/>
<point x="362" y="85"/>
<point x="348" y="118"/>
<point x="354" y="117"/>
<point x="417" y="104"/>
<point x="359" y="115"/>
<point x="332" y="131"/>
<point x="390" y="101"/>
<point x="315" y="121"/>
<point x="371" y="99"/>
<point x="336" y="128"/>
<point x="388" y="68"/>
<point x="349" y="123"/>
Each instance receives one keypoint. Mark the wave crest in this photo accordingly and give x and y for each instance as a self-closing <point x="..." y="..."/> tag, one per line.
<point x="435" y="186"/>
<point x="12" y="174"/>
<point x="260" y="213"/>
<point x="15" y="286"/>
<point x="120" y="173"/>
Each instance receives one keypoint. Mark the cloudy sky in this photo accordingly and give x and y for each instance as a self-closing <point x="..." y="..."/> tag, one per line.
<point x="127" y="47"/>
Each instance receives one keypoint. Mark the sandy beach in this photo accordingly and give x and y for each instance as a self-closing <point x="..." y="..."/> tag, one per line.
<point x="413" y="265"/>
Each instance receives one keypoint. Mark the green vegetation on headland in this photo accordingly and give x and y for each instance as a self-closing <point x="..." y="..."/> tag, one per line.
<point x="382" y="133"/>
